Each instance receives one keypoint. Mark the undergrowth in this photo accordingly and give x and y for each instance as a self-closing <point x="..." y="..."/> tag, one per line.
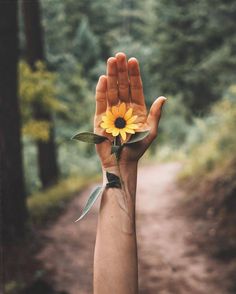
<point x="211" y="141"/>
<point x="45" y="205"/>
<point x="209" y="179"/>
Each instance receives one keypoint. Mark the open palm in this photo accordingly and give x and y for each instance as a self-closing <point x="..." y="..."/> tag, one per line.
<point x="123" y="83"/>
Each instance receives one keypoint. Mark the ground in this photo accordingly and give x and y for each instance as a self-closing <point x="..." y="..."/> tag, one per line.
<point x="170" y="262"/>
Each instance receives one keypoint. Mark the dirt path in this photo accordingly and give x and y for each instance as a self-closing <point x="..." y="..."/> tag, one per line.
<point x="169" y="261"/>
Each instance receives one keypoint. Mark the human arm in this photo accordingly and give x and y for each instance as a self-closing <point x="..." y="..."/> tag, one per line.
<point x="115" y="259"/>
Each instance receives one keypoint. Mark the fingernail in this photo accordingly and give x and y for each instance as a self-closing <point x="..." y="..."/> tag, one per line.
<point x="163" y="98"/>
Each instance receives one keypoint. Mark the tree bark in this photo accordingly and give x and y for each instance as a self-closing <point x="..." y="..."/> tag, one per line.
<point x="47" y="159"/>
<point x="13" y="214"/>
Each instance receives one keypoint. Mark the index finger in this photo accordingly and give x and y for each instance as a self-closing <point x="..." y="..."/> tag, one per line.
<point x="136" y="85"/>
<point x="112" y="77"/>
<point x="101" y="95"/>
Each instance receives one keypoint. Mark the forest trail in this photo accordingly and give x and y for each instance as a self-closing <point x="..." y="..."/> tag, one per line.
<point x="169" y="260"/>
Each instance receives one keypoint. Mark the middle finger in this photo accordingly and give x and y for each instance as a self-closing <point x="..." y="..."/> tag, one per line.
<point x="123" y="78"/>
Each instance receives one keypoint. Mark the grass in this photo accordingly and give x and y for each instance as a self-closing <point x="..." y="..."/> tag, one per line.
<point x="209" y="178"/>
<point x="212" y="140"/>
<point x="45" y="205"/>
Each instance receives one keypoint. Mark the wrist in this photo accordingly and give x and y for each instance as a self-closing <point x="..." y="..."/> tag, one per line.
<point x="124" y="192"/>
<point x="124" y="170"/>
<point x="128" y="170"/>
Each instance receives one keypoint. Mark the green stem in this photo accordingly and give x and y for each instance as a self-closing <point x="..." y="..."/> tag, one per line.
<point x="117" y="143"/>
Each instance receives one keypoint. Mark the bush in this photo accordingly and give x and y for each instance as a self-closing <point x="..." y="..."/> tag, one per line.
<point x="44" y="206"/>
<point x="211" y="141"/>
<point x="209" y="177"/>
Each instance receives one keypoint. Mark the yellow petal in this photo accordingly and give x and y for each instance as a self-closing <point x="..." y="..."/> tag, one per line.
<point x="115" y="132"/>
<point x="129" y="131"/>
<point x="110" y="115"/>
<point x="108" y="122"/>
<point x="123" y="134"/>
<point x="128" y="113"/>
<point x="115" y="111"/>
<point x="122" y="109"/>
<point x="105" y="125"/>
<point x="132" y="126"/>
<point x="109" y="130"/>
<point x="132" y="119"/>
<point x="105" y="118"/>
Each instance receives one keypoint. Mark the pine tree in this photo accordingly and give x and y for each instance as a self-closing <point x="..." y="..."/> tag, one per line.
<point x="193" y="50"/>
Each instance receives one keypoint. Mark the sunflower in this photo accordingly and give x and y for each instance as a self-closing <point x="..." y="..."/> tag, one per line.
<point x="119" y="121"/>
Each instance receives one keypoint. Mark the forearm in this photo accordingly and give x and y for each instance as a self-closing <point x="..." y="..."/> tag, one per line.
<point x="115" y="260"/>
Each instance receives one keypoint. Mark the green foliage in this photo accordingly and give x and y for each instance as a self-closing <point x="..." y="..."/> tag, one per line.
<point x="175" y="124"/>
<point x="193" y="49"/>
<point x="86" y="46"/>
<point x="90" y="138"/>
<point x="137" y="137"/>
<point x="13" y="287"/>
<point x="211" y="141"/>
<point x="183" y="47"/>
<point x="209" y="177"/>
<point x="66" y="94"/>
<point x="37" y="87"/>
<point x="91" y="200"/>
<point x="73" y="91"/>
<point x="77" y="159"/>
<point x="185" y="53"/>
<point x="113" y="181"/>
<point x="31" y="177"/>
<point x="92" y="27"/>
<point x="44" y="206"/>
<point x="39" y="130"/>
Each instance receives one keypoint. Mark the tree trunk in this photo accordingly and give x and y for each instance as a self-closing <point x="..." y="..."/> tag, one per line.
<point x="13" y="212"/>
<point x="47" y="159"/>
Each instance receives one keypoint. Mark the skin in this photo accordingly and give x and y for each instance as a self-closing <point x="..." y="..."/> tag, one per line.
<point x="115" y="258"/>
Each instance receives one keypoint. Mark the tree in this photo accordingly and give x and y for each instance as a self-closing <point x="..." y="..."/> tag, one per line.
<point x="86" y="45"/>
<point x="193" y="52"/>
<point x="12" y="191"/>
<point x="47" y="159"/>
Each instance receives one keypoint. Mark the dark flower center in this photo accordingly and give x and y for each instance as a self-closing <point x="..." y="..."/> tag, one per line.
<point x="120" y="123"/>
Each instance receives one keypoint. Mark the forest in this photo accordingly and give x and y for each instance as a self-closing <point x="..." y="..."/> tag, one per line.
<point x="52" y="53"/>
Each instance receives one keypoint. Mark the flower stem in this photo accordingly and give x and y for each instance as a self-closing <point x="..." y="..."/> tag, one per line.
<point x="117" y="142"/>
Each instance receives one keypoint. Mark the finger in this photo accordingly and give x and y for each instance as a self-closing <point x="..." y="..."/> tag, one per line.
<point x="155" y="115"/>
<point x="112" y="77"/>
<point x="101" y="92"/>
<point x="136" y="85"/>
<point x="123" y="78"/>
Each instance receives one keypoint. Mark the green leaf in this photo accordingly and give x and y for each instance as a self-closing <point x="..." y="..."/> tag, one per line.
<point x="113" y="184"/>
<point x="92" y="198"/>
<point x="112" y="177"/>
<point x="117" y="150"/>
<point x="139" y="136"/>
<point x="113" y="181"/>
<point x="89" y="137"/>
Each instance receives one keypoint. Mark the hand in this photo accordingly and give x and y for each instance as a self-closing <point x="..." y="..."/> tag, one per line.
<point x="123" y="83"/>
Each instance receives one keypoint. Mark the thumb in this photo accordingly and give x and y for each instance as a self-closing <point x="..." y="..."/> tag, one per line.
<point x="155" y="114"/>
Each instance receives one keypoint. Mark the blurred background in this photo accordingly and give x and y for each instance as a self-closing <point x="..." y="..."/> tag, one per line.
<point x="51" y="55"/>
